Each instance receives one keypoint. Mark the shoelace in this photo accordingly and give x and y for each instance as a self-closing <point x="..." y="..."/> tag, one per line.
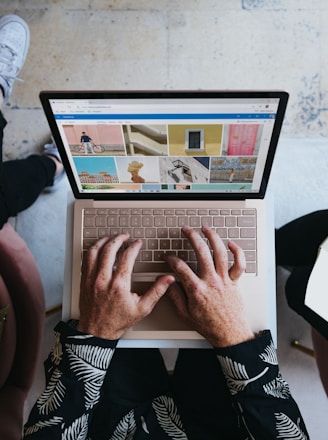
<point x="7" y="59"/>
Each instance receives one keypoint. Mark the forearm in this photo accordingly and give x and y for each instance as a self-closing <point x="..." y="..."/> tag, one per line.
<point x="75" y="371"/>
<point x="262" y="398"/>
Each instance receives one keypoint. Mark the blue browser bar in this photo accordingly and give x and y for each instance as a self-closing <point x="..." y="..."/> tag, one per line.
<point x="172" y="116"/>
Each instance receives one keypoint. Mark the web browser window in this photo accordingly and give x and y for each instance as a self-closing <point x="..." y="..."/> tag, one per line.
<point x="166" y="146"/>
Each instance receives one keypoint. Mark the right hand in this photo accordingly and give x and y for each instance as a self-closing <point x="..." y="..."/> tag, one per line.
<point x="211" y="301"/>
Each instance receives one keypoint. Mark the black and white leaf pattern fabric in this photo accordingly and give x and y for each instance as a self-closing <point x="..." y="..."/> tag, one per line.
<point x="287" y="429"/>
<point x="277" y="388"/>
<point x="53" y="395"/>
<point x="78" y="430"/>
<point x="168" y="417"/>
<point x="38" y="426"/>
<point x="269" y="355"/>
<point x="126" y="428"/>
<point x="236" y="374"/>
<point x="90" y="364"/>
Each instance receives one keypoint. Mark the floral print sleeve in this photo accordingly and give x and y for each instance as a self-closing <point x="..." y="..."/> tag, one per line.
<point x="75" y="371"/>
<point x="260" y="395"/>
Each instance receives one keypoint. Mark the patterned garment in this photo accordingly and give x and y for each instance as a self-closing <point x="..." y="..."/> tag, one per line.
<point x="79" y="364"/>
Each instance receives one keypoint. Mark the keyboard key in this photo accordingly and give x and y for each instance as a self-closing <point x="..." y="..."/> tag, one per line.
<point x="251" y="267"/>
<point x="90" y="232"/>
<point x="195" y="222"/>
<point x="162" y="233"/>
<point x="89" y="221"/>
<point x="101" y="221"/>
<point x="246" y="222"/>
<point x="144" y="266"/>
<point x="151" y="232"/>
<point x="171" y="222"/>
<point x="147" y="221"/>
<point x="248" y="233"/>
<point x="174" y="232"/>
<point x="246" y="245"/>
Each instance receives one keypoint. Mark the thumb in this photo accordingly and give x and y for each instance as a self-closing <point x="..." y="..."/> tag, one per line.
<point x="151" y="297"/>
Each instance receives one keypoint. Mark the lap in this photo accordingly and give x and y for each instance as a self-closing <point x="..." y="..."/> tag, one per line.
<point x="197" y="385"/>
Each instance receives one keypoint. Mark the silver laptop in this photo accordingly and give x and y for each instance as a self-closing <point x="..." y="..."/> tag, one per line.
<point x="149" y="162"/>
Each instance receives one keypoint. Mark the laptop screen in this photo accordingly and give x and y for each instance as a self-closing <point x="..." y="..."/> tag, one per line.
<point x="206" y="143"/>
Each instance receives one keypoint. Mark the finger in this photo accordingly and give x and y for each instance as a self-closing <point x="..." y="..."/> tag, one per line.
<point x="179" y="299"/>
<point x="107" y="258"/>
<point x="127" y="259"/>
<point x="220" y="255"/>
<point x="203" y="253"/>
<point x="239" y="265"/>
<point x="90" y="260"/>
<point x="151" y="297"/>
<point x="184" y="274"/>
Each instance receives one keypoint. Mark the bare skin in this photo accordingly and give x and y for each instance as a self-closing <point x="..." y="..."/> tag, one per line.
<point x="210" y="301"/>
<point x="108" y="308"/>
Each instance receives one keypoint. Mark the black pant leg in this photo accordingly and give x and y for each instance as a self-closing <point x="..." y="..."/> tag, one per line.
<point x="22" y="182"/>
<point x="202" y="397"/>
<point x="297" y="242"/>
<point x="135" y="377"/>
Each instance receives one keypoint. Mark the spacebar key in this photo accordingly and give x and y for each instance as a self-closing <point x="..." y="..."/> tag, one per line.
<point x="160" y="267"/>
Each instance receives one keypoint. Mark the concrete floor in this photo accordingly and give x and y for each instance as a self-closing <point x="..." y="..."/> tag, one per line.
<point x="103" y="44"/>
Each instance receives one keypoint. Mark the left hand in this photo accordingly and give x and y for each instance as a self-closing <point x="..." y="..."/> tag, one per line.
<point x="108" y="308"/>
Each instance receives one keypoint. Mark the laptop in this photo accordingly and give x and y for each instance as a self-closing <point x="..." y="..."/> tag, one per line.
<point x="148" y="162"/>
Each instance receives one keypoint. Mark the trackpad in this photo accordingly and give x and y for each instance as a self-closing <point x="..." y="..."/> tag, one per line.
<point x="163" y="317"/>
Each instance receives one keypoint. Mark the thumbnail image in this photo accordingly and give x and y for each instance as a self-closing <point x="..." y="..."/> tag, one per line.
<point x="146" y="140"/>
<point x="139" y="169"/>
<point x="96" y="172"/>
<point x="184" y="170"/>
<point x="195" y="140"/>
<point x="94" y="139"/>
<point x="232" y="169"/>
<point x="241" y="139"/>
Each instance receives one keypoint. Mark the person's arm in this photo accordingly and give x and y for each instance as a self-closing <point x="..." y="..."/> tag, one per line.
<point x="260" y="395"/>
<point x="79" y="362"/>
<point x="75" y="371"/>
<point x="211" y="302"/>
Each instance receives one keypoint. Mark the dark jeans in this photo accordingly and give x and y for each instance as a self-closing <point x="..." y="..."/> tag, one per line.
<point x="22" y="180"/>
<point x="197" y="386"/>
<point x="297" y="246"/>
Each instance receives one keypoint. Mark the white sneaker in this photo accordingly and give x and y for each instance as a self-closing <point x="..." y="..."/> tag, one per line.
<point x="14" y="44"/>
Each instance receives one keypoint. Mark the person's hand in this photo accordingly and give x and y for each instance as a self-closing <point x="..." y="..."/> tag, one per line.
<point x="108" y="308"/>
<point x="210" y="301"/>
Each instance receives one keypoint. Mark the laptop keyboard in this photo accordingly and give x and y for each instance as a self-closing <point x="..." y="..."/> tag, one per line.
<point x="160" y="231"/>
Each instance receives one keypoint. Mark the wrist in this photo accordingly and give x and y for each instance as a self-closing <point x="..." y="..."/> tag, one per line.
<point x="233" y="336"/>
<point x="98" y="330"/>
<point x="230" y="341"/>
